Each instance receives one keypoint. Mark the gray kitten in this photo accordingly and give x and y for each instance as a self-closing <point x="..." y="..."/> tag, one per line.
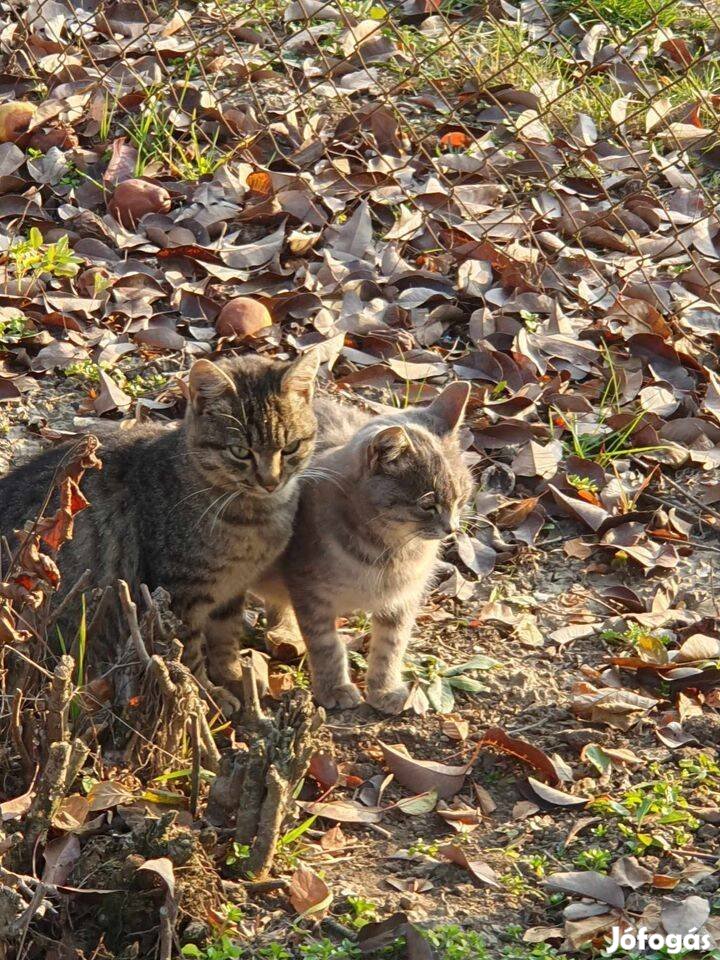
<point x="387" y="490"/>
<point x="200" y="509"/>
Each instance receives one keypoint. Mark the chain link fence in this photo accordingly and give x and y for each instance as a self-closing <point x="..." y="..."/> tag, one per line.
<point x="572" y="148"/>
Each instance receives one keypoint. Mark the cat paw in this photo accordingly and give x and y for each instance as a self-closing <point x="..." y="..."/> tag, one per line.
<point x="224" y="700"/>
<point x="389" y="701"/>
<point x="344" y="696"/>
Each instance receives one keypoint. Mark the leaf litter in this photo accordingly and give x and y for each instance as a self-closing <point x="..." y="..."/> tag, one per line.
<point x="486" y="228"/>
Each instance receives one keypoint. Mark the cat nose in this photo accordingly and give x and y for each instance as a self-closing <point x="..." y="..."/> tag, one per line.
<point x="448" y="525"/>
<point x="270" y="483"/>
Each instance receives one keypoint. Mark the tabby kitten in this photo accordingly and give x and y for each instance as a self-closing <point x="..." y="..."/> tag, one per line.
<point x="200" y="509"/>
<point x="386" y="491"/>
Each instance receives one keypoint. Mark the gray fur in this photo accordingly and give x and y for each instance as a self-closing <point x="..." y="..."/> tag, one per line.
<point x="175" y="507"/>
<point x="363" y="541"/>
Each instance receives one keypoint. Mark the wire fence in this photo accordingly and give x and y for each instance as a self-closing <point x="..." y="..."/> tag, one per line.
<point x="514" y="135"/>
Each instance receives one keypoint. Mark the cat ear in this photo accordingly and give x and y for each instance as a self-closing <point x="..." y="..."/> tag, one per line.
<point x="387" y="446"/>
<point x="300" y="375"/>
<point x="208" y="381"/>
<point x="448" y="409"/>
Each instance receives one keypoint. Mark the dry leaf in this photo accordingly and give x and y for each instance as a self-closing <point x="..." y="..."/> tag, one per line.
<point x="309" y="894"/>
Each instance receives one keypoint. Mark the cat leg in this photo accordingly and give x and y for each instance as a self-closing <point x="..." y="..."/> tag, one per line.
<point x="194" y="658"/>
<point x="226" y="635"/>
<point x="282" y="636"/>
<point x="391" y="631"/>
<point x="331" y="683"/>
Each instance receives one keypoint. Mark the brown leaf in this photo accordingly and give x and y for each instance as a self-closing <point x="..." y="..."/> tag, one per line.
<point x="630" y="873"/>
<point x="422" y="776"/>
<point x="122" y="163"/>
<point x="376" y="935"/>
<point x="71" y="812"/>
<point x="455" y="728"/>
<point x="111" y="396"/>
<point x="163" y="868"/>
<point x="485" y="801"/>
<point x="498" y="739"/>
<point x="682" y="916"/>
<point x="698" y="647"/>
<point x="554" y="797"/>
<point x="333" y="839"/>
<point x="17" y="807"/>
<point x="592" y="516"/>
<point x="513" y="514"/>
<point x="618" y="708"/>
<point x="309" y="893"/>
<point x="60" y="857"/>
<point x="344" y="811"/>
<point x="108" y="794"/>
<point x="481" y="871"/>
<point x="323" y="768"/>
<point x="588" y="884"/>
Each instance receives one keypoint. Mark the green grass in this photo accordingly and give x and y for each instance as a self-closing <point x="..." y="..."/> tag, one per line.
<point x="188" y="153"/>
<point x="629" y="16"/>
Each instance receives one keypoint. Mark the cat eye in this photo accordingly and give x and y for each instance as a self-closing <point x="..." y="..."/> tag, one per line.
<point x="240" y="453"/>
<point x="428" y="504"/>
<point x="292" y="448"/>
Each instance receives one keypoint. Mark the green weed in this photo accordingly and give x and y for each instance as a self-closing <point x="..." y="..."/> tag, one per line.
<point x="627" y="15"/>
<point x="33" y="257"/>
<point x="189" y="155"/>
<point x="438" y="682"/>
<point x="594" y="858"/>
<point x="13" y="330"/>
<point x="139" y="385"/>
<point x="655" y="814"/>
<point x="360" y="912"/>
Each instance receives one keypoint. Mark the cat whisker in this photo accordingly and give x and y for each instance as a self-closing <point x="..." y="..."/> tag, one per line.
<point x="315" y="474"/>
<point x="233" y="495"/>
<point x="209" y="508"/>
<point x="195" y="493"/>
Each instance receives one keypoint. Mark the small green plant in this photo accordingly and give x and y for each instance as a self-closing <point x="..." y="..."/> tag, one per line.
<point x="499" y="389"/>
<point x="361" y="911"/>
<point x="223" y="946"/>
<point x="594" y="858"/>
<point x="515" y="883"/>
<point x="327" y="950"/>
<point x="656" y="813"/>
<point x="602" y="447"/>
<point x="33" y="257"/>
<point x="451" y="942"/>
<point x="438" y="682"/>
<point x="139" y="385"/>
<point x="537" y="863"/>
<point x="237" y="854"/>
<point x="154" y="136"/>
<point x="72" y="176"/>
<point x="649" y="645"/>
<point x="531" y="320"/>
<point x="13" y="330"/>
<point x="291" y="847"/>
<point x="424" y="848"/>
<point x="582" y="484"/>
<point x="274" y="952"/>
